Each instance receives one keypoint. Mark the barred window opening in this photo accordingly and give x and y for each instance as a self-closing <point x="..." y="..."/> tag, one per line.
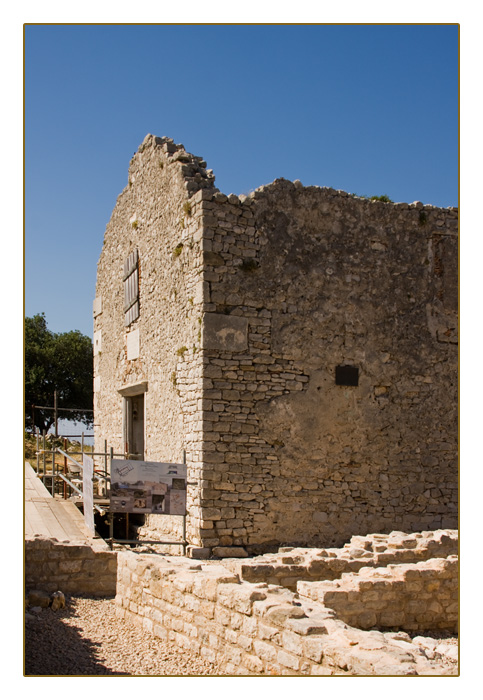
<point x="131" y="288"/>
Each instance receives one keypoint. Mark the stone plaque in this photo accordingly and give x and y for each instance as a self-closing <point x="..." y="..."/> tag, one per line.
<point x="97" y="306"/>
<point x="132" y="342"/>
<point x="224" y="332"/>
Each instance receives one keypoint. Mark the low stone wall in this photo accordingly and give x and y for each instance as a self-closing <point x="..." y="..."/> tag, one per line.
<point x="293" y="564"/>
<point x="76" y="568"/>
<point x="411" y="597"/>
<point x="255" y="628"/>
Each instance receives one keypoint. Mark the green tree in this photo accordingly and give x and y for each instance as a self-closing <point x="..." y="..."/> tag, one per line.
<point x="59" y="362"/>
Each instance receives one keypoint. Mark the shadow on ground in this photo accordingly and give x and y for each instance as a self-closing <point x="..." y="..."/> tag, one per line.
<point x="54" y="647"/>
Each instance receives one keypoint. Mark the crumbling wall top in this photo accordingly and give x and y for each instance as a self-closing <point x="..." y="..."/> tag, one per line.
<point x="198" y="177"/>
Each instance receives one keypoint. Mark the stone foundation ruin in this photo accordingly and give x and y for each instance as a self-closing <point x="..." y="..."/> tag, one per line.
<point x="344" y="613"/>
<point x="87" y="568"/>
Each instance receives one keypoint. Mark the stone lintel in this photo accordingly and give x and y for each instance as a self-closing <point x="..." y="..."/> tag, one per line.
<point x="134" y="389"/>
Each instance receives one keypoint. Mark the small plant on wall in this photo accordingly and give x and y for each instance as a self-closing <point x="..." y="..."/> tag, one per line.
<point x="374" y="198"/>
<point x="423" y="218"/>
<point x="178" y="250"/>
<point x="381" y="198"/>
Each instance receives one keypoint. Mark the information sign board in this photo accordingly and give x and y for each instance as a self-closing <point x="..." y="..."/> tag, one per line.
<point x="148" y="487"/>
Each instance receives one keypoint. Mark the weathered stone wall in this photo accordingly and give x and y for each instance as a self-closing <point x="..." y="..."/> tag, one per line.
<point x="74" y="568"/>
<point x="256" y="628"/>
<point x="313" y="279"/>
<point x="241" y="331"/>
<point x="153" y="215"/>
<point x="411" y="597"/>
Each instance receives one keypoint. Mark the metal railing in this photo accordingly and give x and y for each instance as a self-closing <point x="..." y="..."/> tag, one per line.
<point x="42" y="451"/>
<point x="63" y="473"/>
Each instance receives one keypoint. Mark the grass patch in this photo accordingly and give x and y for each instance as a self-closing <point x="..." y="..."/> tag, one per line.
<point x="381" y="198"/>
<point x="374" y="197"/>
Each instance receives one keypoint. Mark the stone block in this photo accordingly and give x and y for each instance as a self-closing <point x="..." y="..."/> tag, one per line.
<point x="184" y="583"/>
<point x="245" y="642"/>
<point x="366" y="620"/>
<point x="207" y="609"/>
<point x="292" y="642"/>
<point x="288" y="660"/>
<point x="266" y="652"/>
<point x="313" y="648"/>
<point x="391" y="619"/>
<point x="73" y="566"/>
<point x="316" y="670"/>
<point x="222" y="615"/>
<point x="239" y="597"/>
<point x="249" y="626"/>
<point x="307" y="626"/>
<point x="38" y="598"/>
<point x="269" y="632"/>
<point x="231" y="636"/>
<point x="278" y="614"/>
<point x="230" y="654"/>
<point x="230" y="552"/>
<point x="253" y="663"/>
<point x="206" y="586"/>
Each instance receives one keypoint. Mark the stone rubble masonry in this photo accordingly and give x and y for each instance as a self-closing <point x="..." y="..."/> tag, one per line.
<point x="248" y="304"/>
<point x="264" y="629"/>
<point x="72" y="567"/>
<point x="412" y="597"/>
<point x="293" y="564"/>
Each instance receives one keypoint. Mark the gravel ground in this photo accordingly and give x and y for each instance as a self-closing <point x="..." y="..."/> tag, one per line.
<point x="87" y="638"/>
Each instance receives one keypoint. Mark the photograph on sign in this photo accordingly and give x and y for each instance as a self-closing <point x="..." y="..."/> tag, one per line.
<point x="87" y="491"/>
<point x="148" y="487"/>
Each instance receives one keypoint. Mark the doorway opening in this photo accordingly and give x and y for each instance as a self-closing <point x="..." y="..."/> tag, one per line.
<point x="134" y="426"/>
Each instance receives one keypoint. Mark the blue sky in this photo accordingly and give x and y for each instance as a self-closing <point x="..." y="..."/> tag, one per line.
<point x="364" y="108"/>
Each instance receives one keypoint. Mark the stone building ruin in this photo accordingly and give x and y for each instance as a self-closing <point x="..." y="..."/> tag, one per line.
<point x="297" y="345"/>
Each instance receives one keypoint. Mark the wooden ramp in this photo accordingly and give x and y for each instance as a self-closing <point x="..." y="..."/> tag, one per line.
<point x="48" y="517"/>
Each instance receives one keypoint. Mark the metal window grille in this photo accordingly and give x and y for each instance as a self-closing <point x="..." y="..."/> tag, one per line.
<point x="131" y="288"/>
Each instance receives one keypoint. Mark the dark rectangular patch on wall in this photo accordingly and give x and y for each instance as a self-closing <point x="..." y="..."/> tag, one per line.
<point x="345" y="375"/>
